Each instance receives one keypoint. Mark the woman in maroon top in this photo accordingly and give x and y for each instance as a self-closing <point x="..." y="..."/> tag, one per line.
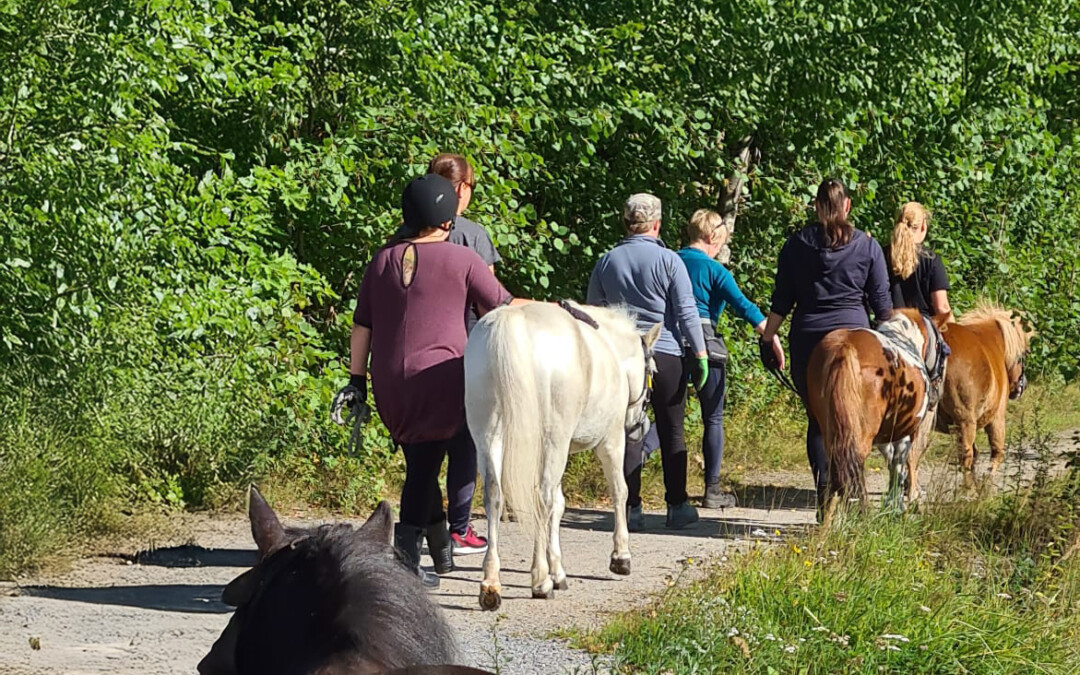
<point x="409" y="319"/>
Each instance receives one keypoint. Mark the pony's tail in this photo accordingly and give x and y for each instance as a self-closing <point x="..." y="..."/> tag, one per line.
<point x="844" y="428"/>
<point x="517" y="408"/>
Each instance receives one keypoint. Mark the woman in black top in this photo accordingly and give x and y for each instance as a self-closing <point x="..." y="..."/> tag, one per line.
<point x="822" y="277"/>
<point x="917" y="277"/>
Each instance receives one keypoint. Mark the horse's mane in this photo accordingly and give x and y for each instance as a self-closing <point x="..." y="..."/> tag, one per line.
<point x="620" y="316"/>
<point x="1012" y="331"/>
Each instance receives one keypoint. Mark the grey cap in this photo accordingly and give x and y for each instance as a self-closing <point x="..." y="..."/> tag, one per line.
<point x="641" y="208"/>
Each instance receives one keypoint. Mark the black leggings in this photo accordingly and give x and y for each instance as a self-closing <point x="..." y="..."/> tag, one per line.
<point x="421" y="497"/>
<point x="669" y="408"/>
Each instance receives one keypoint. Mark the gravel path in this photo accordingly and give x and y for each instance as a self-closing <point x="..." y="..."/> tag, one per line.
<point x="159" y="611"/>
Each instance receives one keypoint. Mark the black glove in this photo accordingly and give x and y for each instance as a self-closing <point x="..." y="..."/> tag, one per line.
<point x="768" y="357"/>
<point x="354" y="397"/>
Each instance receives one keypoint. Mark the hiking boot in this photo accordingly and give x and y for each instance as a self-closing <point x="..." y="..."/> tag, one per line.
<point x="438" y="539"/>
<point x="715" y="498"/>
<point x="635" y="518"/>
<point x="468" y="543"/>
<point x="407" y="540"/>
<point x="680" y="515"/>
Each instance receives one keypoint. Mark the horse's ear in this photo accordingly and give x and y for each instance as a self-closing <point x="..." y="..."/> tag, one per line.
<point x="652" y="336"/>
<point x="266" y="529"/>
<point x="240" y="589"/>
<point x="380" y="526"/>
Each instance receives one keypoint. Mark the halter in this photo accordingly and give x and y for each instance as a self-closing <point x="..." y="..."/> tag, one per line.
<point x="1021" y="382"/>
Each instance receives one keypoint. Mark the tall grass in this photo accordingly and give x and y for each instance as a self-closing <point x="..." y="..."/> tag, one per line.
<point x="969" y="586"/>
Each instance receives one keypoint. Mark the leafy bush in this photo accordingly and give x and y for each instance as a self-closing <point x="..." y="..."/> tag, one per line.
<point x="190" y="191"/>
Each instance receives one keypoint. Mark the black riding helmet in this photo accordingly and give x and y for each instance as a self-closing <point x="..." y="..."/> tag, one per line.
<point x="428" y="201"/>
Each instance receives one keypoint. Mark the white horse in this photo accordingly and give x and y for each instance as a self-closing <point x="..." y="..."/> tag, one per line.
<point x="539" y="385"/>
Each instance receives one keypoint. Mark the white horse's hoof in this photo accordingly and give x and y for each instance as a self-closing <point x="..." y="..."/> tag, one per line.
<point x="620" y="566"/>
<point x="490" y="598"/>
<point x="539" y="594"/>
<point x="561" y="585"/>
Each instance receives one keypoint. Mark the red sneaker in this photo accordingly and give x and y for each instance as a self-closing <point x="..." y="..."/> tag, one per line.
<point x="468" y="543"/>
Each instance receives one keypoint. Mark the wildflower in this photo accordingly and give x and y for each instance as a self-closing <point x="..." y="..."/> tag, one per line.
<point x="808" y="562"/>
<point x="796" y="549"/>
<point x="901" y="638"/>
<point x="733" y="632"/>
<point x="770" y="637"/>
<point x="790" y="649"/>
<point x="820" y="629"/>
<point x="924" y="608"/>
<point x="1004" y="596"/>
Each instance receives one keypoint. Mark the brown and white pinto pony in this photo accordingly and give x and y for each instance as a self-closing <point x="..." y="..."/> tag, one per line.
<point x="986" y="369"/>
<point x="870" y="389"/>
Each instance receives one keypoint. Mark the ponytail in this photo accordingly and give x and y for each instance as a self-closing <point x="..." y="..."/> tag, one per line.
<point x="903" y="251"/>
<point x="831" y="197"/>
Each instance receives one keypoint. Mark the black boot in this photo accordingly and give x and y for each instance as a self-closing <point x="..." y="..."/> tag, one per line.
<point x="438" y="540"/>
<point x="408" y="540"/>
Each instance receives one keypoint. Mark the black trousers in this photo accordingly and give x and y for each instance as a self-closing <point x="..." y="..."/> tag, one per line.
<point x="421" y="497"/>
<point x="800" y="346"/>
<point x="669" y="408"/>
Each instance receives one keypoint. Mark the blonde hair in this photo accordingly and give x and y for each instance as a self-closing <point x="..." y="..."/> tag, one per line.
<point x="704" y="225"/>
<point x="903" y="251"/>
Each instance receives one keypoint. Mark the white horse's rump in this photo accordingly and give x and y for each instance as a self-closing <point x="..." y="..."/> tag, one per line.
<point x="539" y="385"/>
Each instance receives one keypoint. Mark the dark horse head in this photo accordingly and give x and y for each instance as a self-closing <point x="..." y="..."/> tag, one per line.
<point x="328" y="600"/>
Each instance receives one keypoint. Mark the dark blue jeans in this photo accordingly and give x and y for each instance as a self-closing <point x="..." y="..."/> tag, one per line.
<point x="711" y="398"/>
<point x="800" y="346"/>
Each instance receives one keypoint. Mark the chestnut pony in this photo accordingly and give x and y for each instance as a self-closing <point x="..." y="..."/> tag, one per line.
<point x="871" y="388"/>
<point x="986" y="369"/>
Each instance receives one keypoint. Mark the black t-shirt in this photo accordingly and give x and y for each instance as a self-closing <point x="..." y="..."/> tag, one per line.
<point x="915" y="291"/>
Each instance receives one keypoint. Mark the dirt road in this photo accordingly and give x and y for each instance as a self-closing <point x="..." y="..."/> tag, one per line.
<point x="159" y="611"/>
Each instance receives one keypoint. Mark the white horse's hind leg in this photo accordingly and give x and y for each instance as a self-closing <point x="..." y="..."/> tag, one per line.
<point x="542" y="585"/>
<point x="610" y="453"/>
<point x="489" y="459"/>
<point x="558" y="574"/>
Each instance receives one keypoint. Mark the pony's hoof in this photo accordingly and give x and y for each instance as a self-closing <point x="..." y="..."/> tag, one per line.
<point x="562" y="585"/>
<point x="541" y="595"/>
<point x="490" y="599"/>
<point x="620" y="567"/>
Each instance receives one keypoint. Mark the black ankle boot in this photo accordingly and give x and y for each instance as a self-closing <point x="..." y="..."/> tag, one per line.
<point x="438" y="540"/>
<point x="408" y="540"/>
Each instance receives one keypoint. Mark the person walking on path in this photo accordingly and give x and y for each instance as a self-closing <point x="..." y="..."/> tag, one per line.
<point x="409" y="319"/>
<point x="461" y="467"/>
<point x="917" y="276"/>
<point x="822" y="276"/>
<point x="643" y="274"/>
<point x="714" y="289"/>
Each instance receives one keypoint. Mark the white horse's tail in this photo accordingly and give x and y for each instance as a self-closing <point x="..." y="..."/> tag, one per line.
<point x="516" y="418"/>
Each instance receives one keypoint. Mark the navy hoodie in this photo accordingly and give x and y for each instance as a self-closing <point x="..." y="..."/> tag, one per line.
<point x="827" y="286"/>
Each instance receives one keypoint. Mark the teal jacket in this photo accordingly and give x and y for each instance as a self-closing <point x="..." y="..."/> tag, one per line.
<point x="715" y="288"/>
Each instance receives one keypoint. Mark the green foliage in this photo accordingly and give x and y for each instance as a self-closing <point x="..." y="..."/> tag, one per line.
<point x="957" y="590"/>
<point x="189" y="191"/>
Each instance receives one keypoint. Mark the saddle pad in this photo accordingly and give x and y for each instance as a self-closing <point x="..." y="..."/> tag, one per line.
<point x="902" y="340"/>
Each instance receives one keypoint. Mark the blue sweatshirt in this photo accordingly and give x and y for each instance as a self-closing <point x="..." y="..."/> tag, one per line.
<point x="826" y="286"/>
<point x="642" y="273"/>
<point x="715" y="288"/>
